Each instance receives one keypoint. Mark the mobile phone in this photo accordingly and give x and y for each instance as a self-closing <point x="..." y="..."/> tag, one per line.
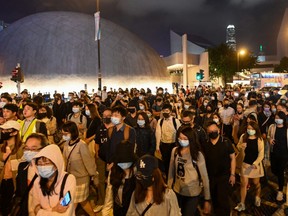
<point x="66" y="199"/>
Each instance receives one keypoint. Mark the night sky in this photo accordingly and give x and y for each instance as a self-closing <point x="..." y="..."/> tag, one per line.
<point x="257" y="22"/>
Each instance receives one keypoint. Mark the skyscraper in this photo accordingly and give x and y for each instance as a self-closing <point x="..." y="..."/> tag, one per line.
<point x="231" y="36"/>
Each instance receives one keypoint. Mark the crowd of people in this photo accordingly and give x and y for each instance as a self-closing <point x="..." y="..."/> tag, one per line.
<point x="131" y="152"/>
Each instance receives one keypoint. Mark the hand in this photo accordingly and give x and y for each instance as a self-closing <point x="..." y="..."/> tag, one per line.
<point x="96" y="180"/>
<point x="272" y="141"/>
<point x="59" y="208"/>
<point x="232" y="180"/>
<point x="109" y="166"/>
<point x="207" y="207"/>
<point x="243" y="145"/>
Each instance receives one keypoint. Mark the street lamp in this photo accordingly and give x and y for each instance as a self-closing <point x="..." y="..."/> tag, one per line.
<point x="99" y="57"/>
<point x="240" y="52"/>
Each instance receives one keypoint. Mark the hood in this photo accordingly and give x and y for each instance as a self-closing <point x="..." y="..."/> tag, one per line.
<point x="53" y="153"/>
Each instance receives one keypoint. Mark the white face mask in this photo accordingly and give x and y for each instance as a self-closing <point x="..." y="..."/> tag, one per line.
<point x="115" y="120"/>
<point x="28" y="155"/>
<point x="87" y="112"/>
<point x="142" y="107"/>
<point x="66" y="137"/>
<point x="125" y="165"/>
<point x="46" y="171"/>
<point x="75" y="109"/>
<point x="216" y="120"/>
<point x="183" y="143"/>
<point x="2" y="104"/>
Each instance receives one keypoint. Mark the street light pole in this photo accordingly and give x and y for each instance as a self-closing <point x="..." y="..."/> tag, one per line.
<point x="99" y="57"/>
<point x="240" y="52"/>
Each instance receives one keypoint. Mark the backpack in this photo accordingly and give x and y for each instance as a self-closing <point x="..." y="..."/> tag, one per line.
<point x="71" y="114"/>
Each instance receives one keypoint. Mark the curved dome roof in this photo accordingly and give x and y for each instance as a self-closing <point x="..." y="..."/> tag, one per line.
<point x="53" y="43"/>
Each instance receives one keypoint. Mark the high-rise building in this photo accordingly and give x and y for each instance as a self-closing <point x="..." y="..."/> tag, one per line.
<point x="231" y="36"/>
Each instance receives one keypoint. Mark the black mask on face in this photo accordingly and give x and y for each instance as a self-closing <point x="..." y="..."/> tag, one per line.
<point x="131" y="110"/>
<point x="146" y="182"/>
<point x="41" y="115"/>
<point x="166" y="115"/>
<point x="209" y="111"/>
<point x="106" y="120"/>
<point x="5" y="136"/>
<point x="226" y="106"/>
<point x="213" y="135"/>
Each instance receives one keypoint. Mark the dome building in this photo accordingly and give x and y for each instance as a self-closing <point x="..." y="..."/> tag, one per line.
<point x="58" y="51"/>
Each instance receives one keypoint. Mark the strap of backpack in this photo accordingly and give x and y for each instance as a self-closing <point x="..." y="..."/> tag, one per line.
<point x="146" y="209"/>
<point x="174" y="123"/>
<point x="109" y="132"/>
<point x="28" y="189"/>
<point x="126" y="132"/>
<point x="197" y="170"/>
<point x="63" y="185"/>
<point x="70" y="116"/>
<point x="81" y="118"/>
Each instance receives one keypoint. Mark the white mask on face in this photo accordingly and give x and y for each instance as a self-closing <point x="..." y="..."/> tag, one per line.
<point x="75" y="109"/>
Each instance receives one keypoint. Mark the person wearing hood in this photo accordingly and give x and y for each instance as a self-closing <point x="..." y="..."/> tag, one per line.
<point x="9" y="152"/>
<point x="26" y="172"/>
<point x="52" y="184"/>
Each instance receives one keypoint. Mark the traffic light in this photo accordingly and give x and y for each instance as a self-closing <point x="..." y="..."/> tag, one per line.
<point x="14" y="75"/>
<point x="200" y="75"/>
<point x="17" y="74"/>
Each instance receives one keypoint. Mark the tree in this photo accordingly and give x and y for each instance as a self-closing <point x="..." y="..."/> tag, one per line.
<point x="283" y="66"/>
<point x="223" y="62"/>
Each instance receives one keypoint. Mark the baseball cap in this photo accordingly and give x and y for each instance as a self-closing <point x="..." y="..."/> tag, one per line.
<point x="11" y="124"/>
<point x="146" y="165"/>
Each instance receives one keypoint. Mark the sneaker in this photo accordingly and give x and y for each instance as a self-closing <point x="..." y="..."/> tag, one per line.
<point x="279" y="196"/>
<point x="240" y="207"/>
<point x="97" y="208"/>
<point x="257" y="201"/>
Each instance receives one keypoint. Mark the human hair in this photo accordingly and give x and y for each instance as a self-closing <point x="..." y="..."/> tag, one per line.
<point x="7" y="97"/>
<point x="143" y="102"/>
<point x="45" y="189"/>
<point x="72" y="128"/>
<point x="93" y="111"/>
<point x="145" y="116"/>
<point x="38" y="100"/>
<point x="33" y="105"/>
<point x="77" y="103"/>
<point x="193" y="142"/>
<point x="167" y="106"/>
<point x="282" y="115"/>
<point x="120" y="109"/>
<point x="255" y="126"/>
<point x="187" y="113"/>
<point x="158" y="187"/>
<point x="209" y="123"/>
<point x="17" y="143"/>
<point x="11" y="107"/>
<point x="39" y="136"/>
<point x="48" y="110"/>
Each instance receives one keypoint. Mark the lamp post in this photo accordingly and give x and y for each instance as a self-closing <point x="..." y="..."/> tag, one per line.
<point x="240" y="52"/>
<point x="99" y="58"/>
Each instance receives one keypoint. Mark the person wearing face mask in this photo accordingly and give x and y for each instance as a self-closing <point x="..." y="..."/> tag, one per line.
<point x="166" y="135"/>
<point x="121" y="181"/>
<point x="157" y="107"/>
<point x="80" y="163"/>
<point x="187" y="173"/>
<point x="151" y="196"/>
<point x="226" y="113"/>
<point x="203" y="107"/>
<point x="93" y="122"/>
<point x="131" y="118"/>
<point x="278" y="140"/>
<point x="78" y="118"/>
<point x="237" y="121"/>
<point x="145" y="137"/>
<point x="251" y="146"/>
<point x="152" y="120"/>
<point x="143" y="106"/>
<point x="26" y="172"/>
<point x="69" y="103"/>
<point x="208" y="116"/>
<point x="59" y="110"/>
<point x="52" y="184"/>
<point x="45" y="115"/>
<point x="220" y="164"/>
<point x="10" y="151"/>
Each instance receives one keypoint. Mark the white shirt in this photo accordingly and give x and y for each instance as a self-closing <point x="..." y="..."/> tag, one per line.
<point x="226" y="115"/>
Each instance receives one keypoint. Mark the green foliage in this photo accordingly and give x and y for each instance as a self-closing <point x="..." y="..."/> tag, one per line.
<point x="223" y="62"/>
<point x="283" y="66"/>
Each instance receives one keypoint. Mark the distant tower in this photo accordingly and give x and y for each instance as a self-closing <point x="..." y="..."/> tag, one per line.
<point x="231" y="36"/>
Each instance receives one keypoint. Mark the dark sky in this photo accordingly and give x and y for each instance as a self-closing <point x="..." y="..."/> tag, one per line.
<point x="257" y="22"/>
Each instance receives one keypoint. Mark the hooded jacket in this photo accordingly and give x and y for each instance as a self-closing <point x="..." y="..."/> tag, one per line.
<point x="53" y="153"/>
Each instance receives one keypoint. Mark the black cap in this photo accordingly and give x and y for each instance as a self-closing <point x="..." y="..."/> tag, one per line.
<point x="146" y="165"/>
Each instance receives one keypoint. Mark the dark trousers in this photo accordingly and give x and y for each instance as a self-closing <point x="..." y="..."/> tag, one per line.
<point x="6" y="191"/>
<point x="220" y="194"/>
<point x="278" y="165"/>
<point x="166" y="149"/>
<point x="227" y="131"/>
<point x="187" y="204"/>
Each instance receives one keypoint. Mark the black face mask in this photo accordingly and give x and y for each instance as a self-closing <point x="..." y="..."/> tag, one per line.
<point x="131" y="110"/>
<point x="213" y="135"/>
<point x="209" y="111"/>
<point x="5" y="136"/>
<point x="226" y="106"/>
<point x="166" y="115"/>
<point x="41" y="115"/>
<point x="239" y="113"/>
<point x="106" y="120"/>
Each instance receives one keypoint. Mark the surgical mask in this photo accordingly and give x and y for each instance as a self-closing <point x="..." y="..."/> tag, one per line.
<point x="75" y="110"/>
<point x="28" y="155"/>
<point x="106" y="120"/>
<point x="213" y="135"/>
<point x="87" y="112"/>
<point x="205" y="104"/>
<point x="66" y="137"/>
<point x="141" y="122"/>
<point x="70" y="97"/>
<point x="251" y="132"/>
<point x="149" y="115"/>
<point x="274" y="110"/>
<point x="46" y="171"/>
<point x="216" y="120"/>
<point x="166" y="115"/>
<point x="141" y="107"/>
<point x="2" y="104"/>
<point x="266" y="109"/>
<point x="115" y="120"/>
<point x="140" y="97"/>
<point x="183" y="143"/>
<point x="125" y="165"/>
<point x="186" y="107"/>
<point x="279" y="121"/>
